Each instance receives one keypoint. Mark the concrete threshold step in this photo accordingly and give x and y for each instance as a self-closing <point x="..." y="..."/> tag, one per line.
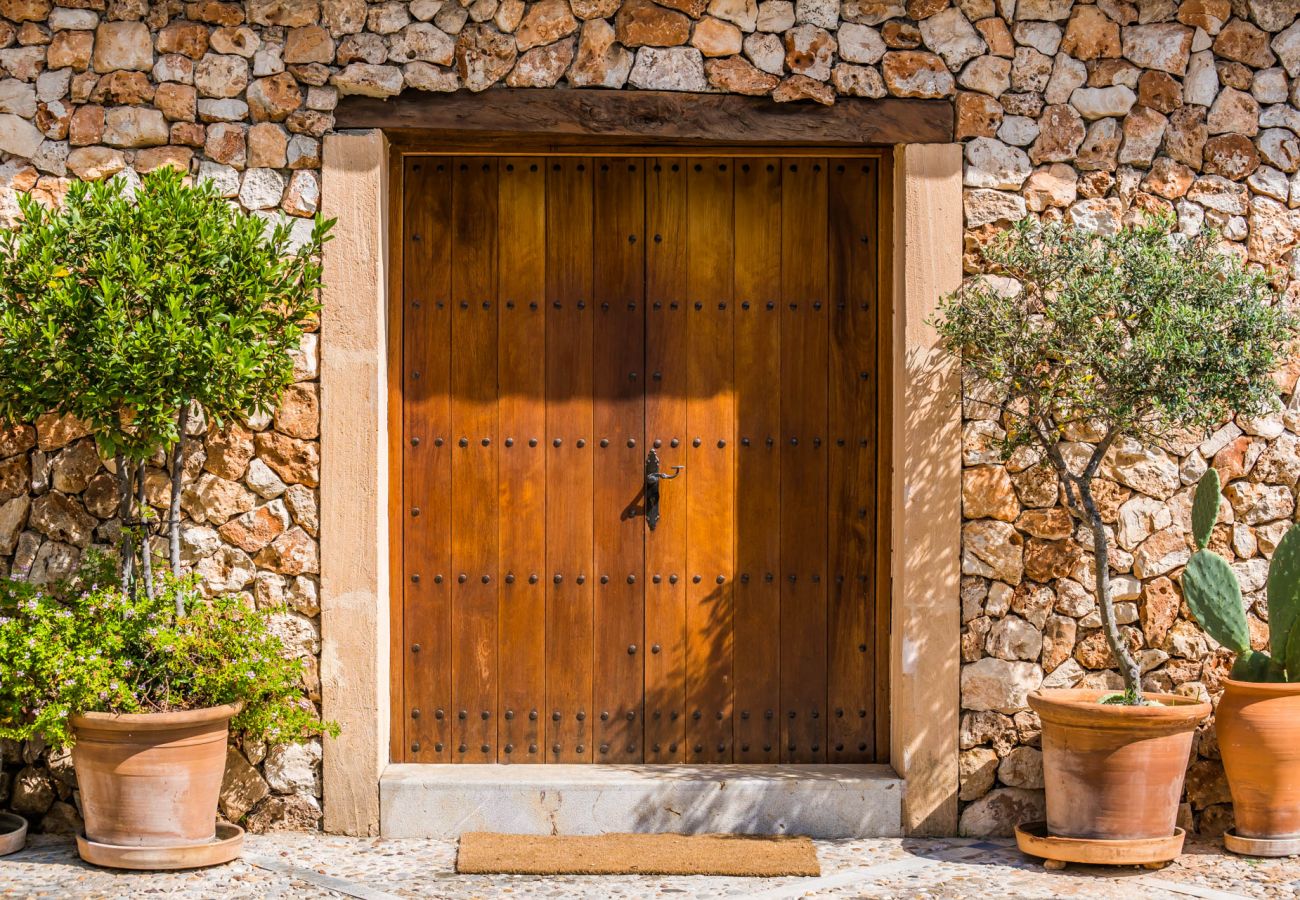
<point x="821" y="801"/>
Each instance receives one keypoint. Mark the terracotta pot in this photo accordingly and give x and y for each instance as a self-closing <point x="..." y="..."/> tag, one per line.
<point x="1259" y="738"/>
<point x="13" y="833"/>
<point x="1114" y="772"/>
<point x="151" y="779"/>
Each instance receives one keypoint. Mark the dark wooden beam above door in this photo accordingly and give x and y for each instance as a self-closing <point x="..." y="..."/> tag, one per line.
<point x="555" y="118"/>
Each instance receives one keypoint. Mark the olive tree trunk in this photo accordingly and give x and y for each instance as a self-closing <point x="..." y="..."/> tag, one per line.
<point x="124" y="513"/>
<point x="174" y="510"/>
<point x="1085" y="507"/>
<point x="146" y="551"/>
<point x="1128" y="667"/>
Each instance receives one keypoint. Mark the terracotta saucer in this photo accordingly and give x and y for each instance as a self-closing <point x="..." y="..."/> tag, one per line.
<point x="1153" y="853"/>
<point x="1248" y="846"/>
<point x="13" y="833"/>
<point x="222" y="849"/>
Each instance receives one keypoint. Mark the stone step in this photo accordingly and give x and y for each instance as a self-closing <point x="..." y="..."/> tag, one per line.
<point x="821" y="801"/>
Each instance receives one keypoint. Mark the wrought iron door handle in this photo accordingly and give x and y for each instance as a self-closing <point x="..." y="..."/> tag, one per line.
<point x="652" y="478"/>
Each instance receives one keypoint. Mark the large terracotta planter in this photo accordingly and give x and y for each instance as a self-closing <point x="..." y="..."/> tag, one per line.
<point x="151" y="779"/>
<point x="1259" y="739"/>
<point x="1114" y="772"/>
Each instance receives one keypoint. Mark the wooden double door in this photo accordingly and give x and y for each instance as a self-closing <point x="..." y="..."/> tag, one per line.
<point x="574" y="327"/>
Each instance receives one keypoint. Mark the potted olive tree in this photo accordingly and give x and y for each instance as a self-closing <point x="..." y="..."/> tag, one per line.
<point x="136" y="313"/>
<point x="1089" y="342"/>
<point x="1258" y="717"/>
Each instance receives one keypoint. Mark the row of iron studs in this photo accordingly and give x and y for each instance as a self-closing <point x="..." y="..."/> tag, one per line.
<point x="745" y="305"/>
<point x="631" y="716"/>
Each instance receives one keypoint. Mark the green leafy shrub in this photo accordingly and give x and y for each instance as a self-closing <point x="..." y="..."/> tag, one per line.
<point x="130" y="311"/>
<point x="1214" y="596"/>
<point x="1139" y="334"/>
<point x="87" y="645"/>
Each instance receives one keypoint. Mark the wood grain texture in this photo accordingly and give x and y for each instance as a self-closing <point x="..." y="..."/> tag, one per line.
<point x="521" y="289"/>
<point x="710" y="459"/>
<point x="474" y="495"/>
<point x="804" y="335"/>
<point x="851" y="453"/>
<point x="666" y="118"/>
<point x="758" y="460"/>
<point x="399" y="743"/>
<point x="618" y="400"/>
<point x="666" y="408"/>
<point x="569" y="472"/>
<point x="884" y="462"/>
<point x="426" y="461"/>
<point x="694" y="306"/>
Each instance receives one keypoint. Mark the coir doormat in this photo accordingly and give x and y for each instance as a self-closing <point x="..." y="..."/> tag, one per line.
<point x="483" y="853"/>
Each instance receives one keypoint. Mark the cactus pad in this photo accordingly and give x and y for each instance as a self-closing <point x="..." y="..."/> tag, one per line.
<point x="1284" y="602"/>
<point x="1211" y="589"/>
<point x="1205" y="508"/>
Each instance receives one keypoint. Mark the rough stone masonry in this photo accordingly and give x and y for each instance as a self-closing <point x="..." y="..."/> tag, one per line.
<point x="1092" y="112"/>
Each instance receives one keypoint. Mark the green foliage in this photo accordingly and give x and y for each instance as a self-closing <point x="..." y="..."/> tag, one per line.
<point x="1214" y="596"/>
<point x="85" y="645"/>
<point x="1123" y="698"/>
<point x="1143" y="331"/>
<point x="1205" y="508"/>
<point x="120" y="309"/>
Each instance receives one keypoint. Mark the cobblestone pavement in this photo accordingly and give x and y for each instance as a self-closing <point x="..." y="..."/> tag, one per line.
<point x="318" y="866"/>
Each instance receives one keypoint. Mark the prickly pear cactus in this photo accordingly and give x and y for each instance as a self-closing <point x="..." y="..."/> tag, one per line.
<point x="1211" y="589"/>
<point x="1214" y="596"/>
<point x="1256" y="666"/>
<point x="1284" y="603"/>
<point x="1205" y="508"/>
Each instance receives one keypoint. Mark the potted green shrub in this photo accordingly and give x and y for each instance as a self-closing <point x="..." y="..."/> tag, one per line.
<point x="1258" y="716"/>
<point x="1090" y="343"/>
<point x="143" y="694"/>
<point x="140" y="314"/>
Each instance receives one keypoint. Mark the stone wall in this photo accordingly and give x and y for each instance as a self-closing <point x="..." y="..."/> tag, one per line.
<point x="1088" y="111"/>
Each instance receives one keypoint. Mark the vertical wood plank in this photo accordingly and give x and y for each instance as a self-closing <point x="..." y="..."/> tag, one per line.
<point x="852" y="472"/>
<point x="666" y="406"/>
<point x="474" y="492"/>
<point x="619" y="430"/>
<point x="804" y="336"/>
<point x="709" y="478"/>
<point x="521" y="289"/>
<point x="569" y="473"/>
<point x="426" y="461"/>
<point x="398" y="741"/>
<point x="883" y="170"/>
<point x="758" y="460"/>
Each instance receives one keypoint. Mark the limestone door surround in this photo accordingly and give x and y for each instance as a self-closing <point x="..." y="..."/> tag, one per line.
<point x="925" y="492"/>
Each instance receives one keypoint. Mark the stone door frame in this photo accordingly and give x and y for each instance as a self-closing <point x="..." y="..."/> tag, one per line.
<point x="357" y="389"/>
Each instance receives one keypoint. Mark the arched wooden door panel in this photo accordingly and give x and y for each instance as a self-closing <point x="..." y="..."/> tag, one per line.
<point x="573" y="328"/>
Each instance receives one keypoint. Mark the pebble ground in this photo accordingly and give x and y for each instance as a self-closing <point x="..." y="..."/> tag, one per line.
<point x="319" y="866"/>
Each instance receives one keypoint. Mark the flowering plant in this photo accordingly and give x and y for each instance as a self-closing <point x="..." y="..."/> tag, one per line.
<point x="86" y="645"/>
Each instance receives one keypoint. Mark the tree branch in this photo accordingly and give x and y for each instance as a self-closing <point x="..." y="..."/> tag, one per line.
<point x="174" y="508"/>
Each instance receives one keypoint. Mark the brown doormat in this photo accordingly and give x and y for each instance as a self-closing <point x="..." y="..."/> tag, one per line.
<point x="484" y="853"/>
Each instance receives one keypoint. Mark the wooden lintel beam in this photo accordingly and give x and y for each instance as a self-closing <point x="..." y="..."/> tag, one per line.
<point x="559" y="116"/>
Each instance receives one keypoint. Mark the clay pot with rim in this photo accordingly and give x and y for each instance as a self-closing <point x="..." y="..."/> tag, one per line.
<point x="1259" y="740"/>
<point x="1114" y="772"/>
<point x="13" y="833"/>
<point x="151" y="779"/>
